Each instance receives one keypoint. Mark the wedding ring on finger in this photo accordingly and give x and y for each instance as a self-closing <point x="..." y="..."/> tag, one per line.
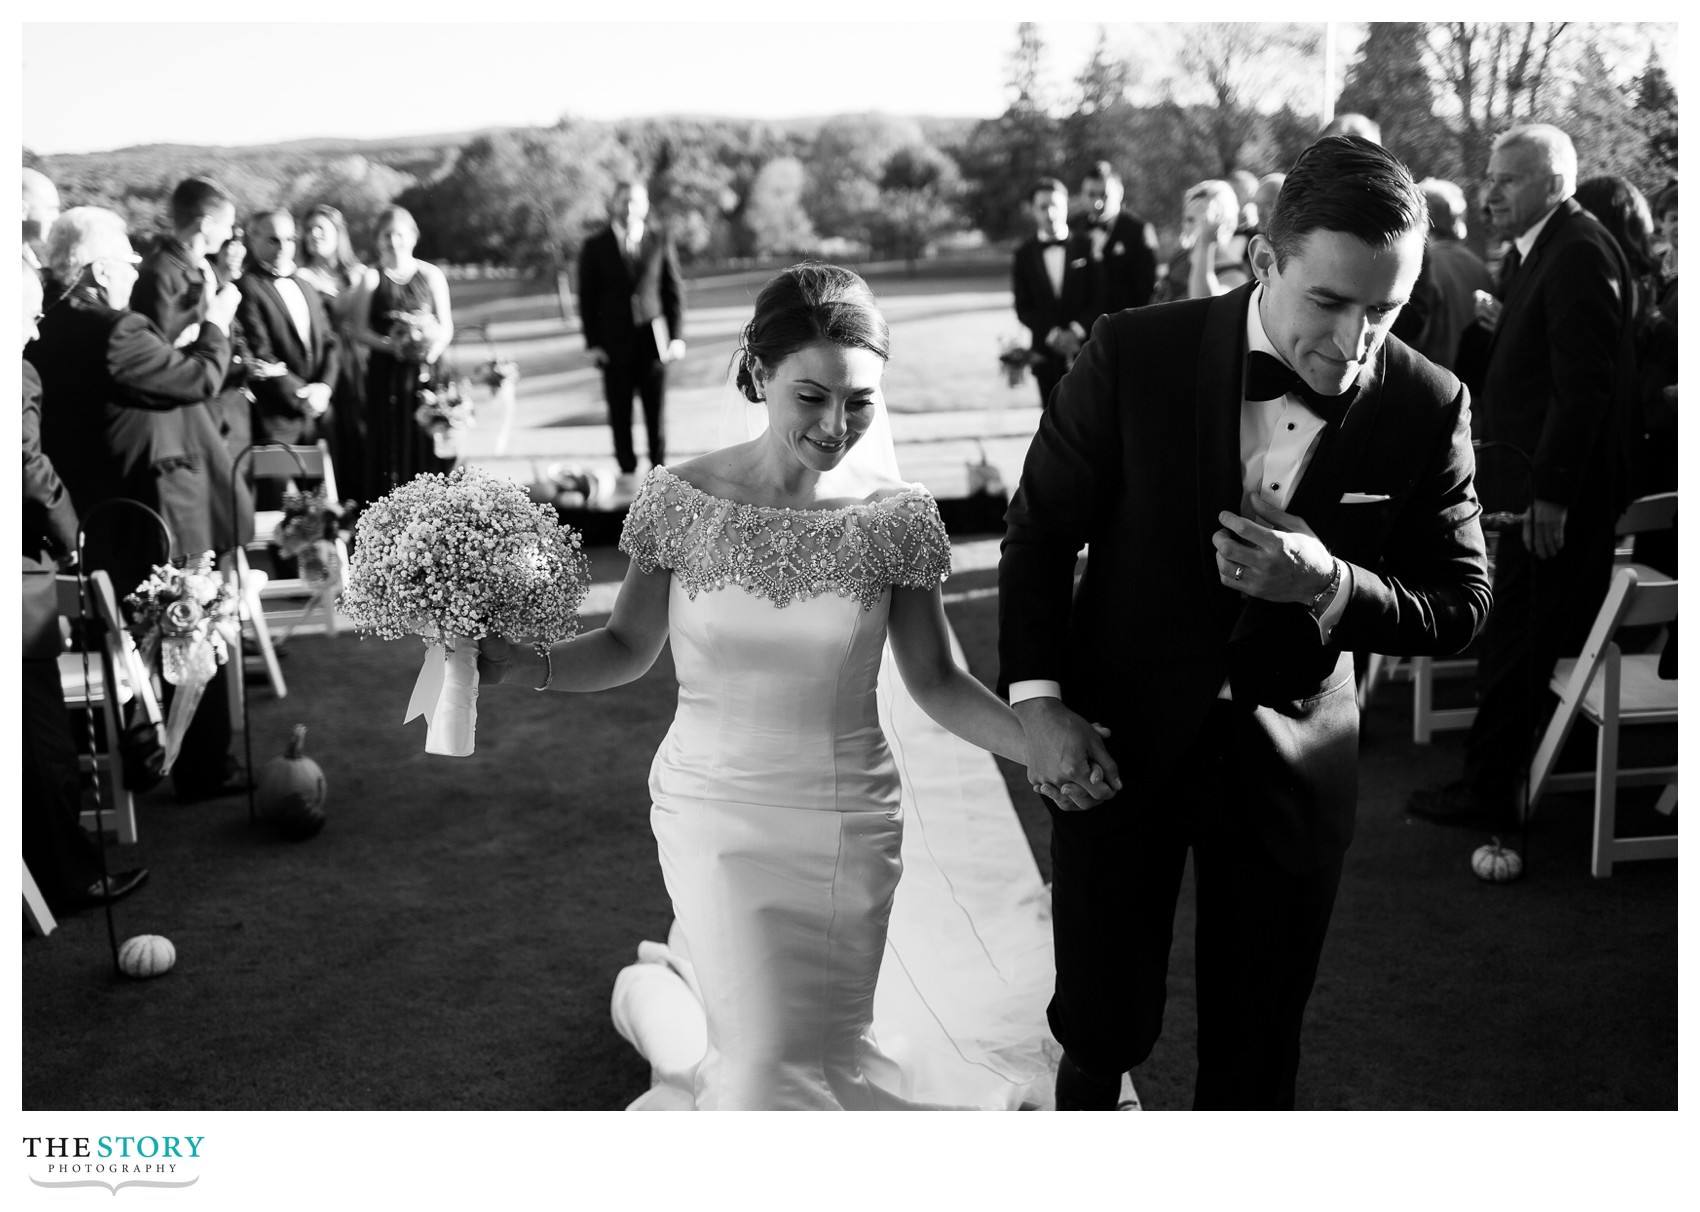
<point x="1239" y="572"/>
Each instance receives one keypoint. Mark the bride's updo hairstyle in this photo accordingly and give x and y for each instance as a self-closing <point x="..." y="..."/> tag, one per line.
<point x="804" y="305"/>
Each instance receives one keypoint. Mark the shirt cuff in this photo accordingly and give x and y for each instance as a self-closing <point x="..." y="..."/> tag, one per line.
<point x="1328" y="618"/>
<point x="1036" y="688"/>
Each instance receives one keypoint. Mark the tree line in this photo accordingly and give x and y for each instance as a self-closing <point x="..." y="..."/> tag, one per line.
<point x="1237" y="96"/>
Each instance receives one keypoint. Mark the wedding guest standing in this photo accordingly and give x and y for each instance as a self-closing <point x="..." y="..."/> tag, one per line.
<point x="401" y="315"/>
<point x="1263" y="483"/>
<point x="124" y="415"/>
<point x="174" y="289"/>
<point x="631" y="301"/>
<point x="176" y="278"/>
<point x="285" y="322"/>
<point x="1121" y="246"/>
<point x="41" y="207"/>
<point x="232" y="407"/>
<point x="62" y="858"/>
<point x="1452" y="274"/>
<point x="1050" y="283"/>
<point x="328" y="264"/>
<point x="1554" y="389"/>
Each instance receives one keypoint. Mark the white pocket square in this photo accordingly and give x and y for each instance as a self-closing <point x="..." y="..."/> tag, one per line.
<point x="1363" y="498"/>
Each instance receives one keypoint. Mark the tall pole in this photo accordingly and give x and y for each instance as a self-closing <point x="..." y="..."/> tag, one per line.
<point x="1329" y="91"/>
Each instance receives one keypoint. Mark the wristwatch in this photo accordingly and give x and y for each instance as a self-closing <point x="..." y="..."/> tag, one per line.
<point x="1321" y="601"/>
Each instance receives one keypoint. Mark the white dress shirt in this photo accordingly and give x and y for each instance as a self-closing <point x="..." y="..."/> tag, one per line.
<point x="1277" y="441"/>
<point x="295" y="303"/>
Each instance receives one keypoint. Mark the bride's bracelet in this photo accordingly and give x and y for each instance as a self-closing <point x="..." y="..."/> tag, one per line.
<point x="548" y="669"/>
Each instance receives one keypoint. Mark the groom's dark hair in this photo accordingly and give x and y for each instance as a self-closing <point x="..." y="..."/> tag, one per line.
<point x="806" y="304"/>
<point x="1344" y="183"/>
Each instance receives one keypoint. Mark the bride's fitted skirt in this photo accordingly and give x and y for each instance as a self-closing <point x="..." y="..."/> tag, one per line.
<point x="784" y="913"/>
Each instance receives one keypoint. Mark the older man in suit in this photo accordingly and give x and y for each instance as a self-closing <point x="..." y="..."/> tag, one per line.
<point x="631" y="303"/>
<point x="1049" y="279"/>
<point x="62" y="858"/>
<point x="1264" y="482"/>
<point x="287" y="327"/>
<point x="123" y="416"/>
<point x="1557" y="400"/>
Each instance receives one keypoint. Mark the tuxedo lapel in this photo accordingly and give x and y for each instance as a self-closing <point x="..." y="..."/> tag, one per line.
<point x="317" y="318"/>
<point x="1221" y="354"/>
<point x="282" y="323"/>
<point x="1523" y="280"/>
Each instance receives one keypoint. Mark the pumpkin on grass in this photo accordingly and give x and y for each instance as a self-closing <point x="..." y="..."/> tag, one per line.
<point x="1495" y="863"/>
<point x="146" y="955"/>
<point x="291" y="791"/>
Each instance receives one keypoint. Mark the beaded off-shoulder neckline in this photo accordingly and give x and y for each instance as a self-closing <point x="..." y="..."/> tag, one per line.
<point x="907" y="491"/>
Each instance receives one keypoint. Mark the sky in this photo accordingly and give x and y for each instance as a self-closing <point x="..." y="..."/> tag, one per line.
<point x="357" y="77"/>
<point x="441" y="73"/>
<point x="369" y="80"/>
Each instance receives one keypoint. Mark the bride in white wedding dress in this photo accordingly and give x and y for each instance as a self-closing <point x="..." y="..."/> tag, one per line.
<point x="777" y="802"/>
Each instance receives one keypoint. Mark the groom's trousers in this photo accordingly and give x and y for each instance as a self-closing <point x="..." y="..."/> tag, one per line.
<point x="1117" y="871"/>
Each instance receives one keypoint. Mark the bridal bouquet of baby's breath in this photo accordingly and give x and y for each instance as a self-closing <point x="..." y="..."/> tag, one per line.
<point x="454" y="558"/>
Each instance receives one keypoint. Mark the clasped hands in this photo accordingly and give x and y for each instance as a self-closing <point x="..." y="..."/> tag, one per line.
<point x="1067" y="761"/>
<point x="1274" y="555"/>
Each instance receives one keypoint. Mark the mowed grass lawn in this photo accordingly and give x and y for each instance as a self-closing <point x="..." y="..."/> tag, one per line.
<point x="947" y="323"/>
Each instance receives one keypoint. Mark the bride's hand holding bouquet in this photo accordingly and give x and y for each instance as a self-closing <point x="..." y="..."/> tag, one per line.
<point x="456" y="558"/>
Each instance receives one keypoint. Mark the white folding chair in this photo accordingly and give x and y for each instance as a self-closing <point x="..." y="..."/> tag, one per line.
<point x="255" y="587"/>
<point x="292" y="464"/>
<point x="1644" y="515"/>
<point x="36" y="912"/>
<point x="1610" y="690"/>
<point x="114" y="677"/>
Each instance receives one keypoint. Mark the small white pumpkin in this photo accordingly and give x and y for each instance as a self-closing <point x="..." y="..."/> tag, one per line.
<point x="1496" y="864"/>
<point x="146" y="955"/>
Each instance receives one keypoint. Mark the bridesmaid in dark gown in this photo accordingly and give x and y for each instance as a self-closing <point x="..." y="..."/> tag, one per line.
<point x="397" y="449"/>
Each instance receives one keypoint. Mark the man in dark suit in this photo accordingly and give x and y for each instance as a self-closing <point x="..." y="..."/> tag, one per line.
<point x="631" y="302"/>
<point x="1252" y="518"/>
<point x="1050" y="287"/>
<point x="1120" y="246"/>
<point x="288" y="330"/>
<point x="1557" y="390"/>
<point x="123" y="416"/>
<point x="175" y="281"/>
<point x="174" y="288"/>
<point x="63" y="859"/>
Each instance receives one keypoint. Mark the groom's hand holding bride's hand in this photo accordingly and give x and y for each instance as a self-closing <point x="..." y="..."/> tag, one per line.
<point x="494" y="656"/>
<point x="1274" y="555"/>
<point x="1067" y="761"/>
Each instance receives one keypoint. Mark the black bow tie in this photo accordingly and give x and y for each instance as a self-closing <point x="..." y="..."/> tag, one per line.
<point x="1267" y="377"/>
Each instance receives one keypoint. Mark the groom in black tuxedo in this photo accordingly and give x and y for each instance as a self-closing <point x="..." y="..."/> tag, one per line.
<point x="1266" y="483"/>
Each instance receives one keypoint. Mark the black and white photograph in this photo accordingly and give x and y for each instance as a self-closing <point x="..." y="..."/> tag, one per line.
<point x="873" y="560"/>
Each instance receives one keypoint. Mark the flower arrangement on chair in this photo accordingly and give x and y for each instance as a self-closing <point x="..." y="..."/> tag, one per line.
<point x="187" y="617"/>
<point x="308" y="533"/>
<point x="445" y="412"/>
<point x="1013" y="359"/>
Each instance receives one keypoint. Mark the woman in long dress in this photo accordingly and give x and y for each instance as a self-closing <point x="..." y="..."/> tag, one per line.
<point x="329" y="264"/>
<point x="775" y="799"/>
<point x="401" y="315"/>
